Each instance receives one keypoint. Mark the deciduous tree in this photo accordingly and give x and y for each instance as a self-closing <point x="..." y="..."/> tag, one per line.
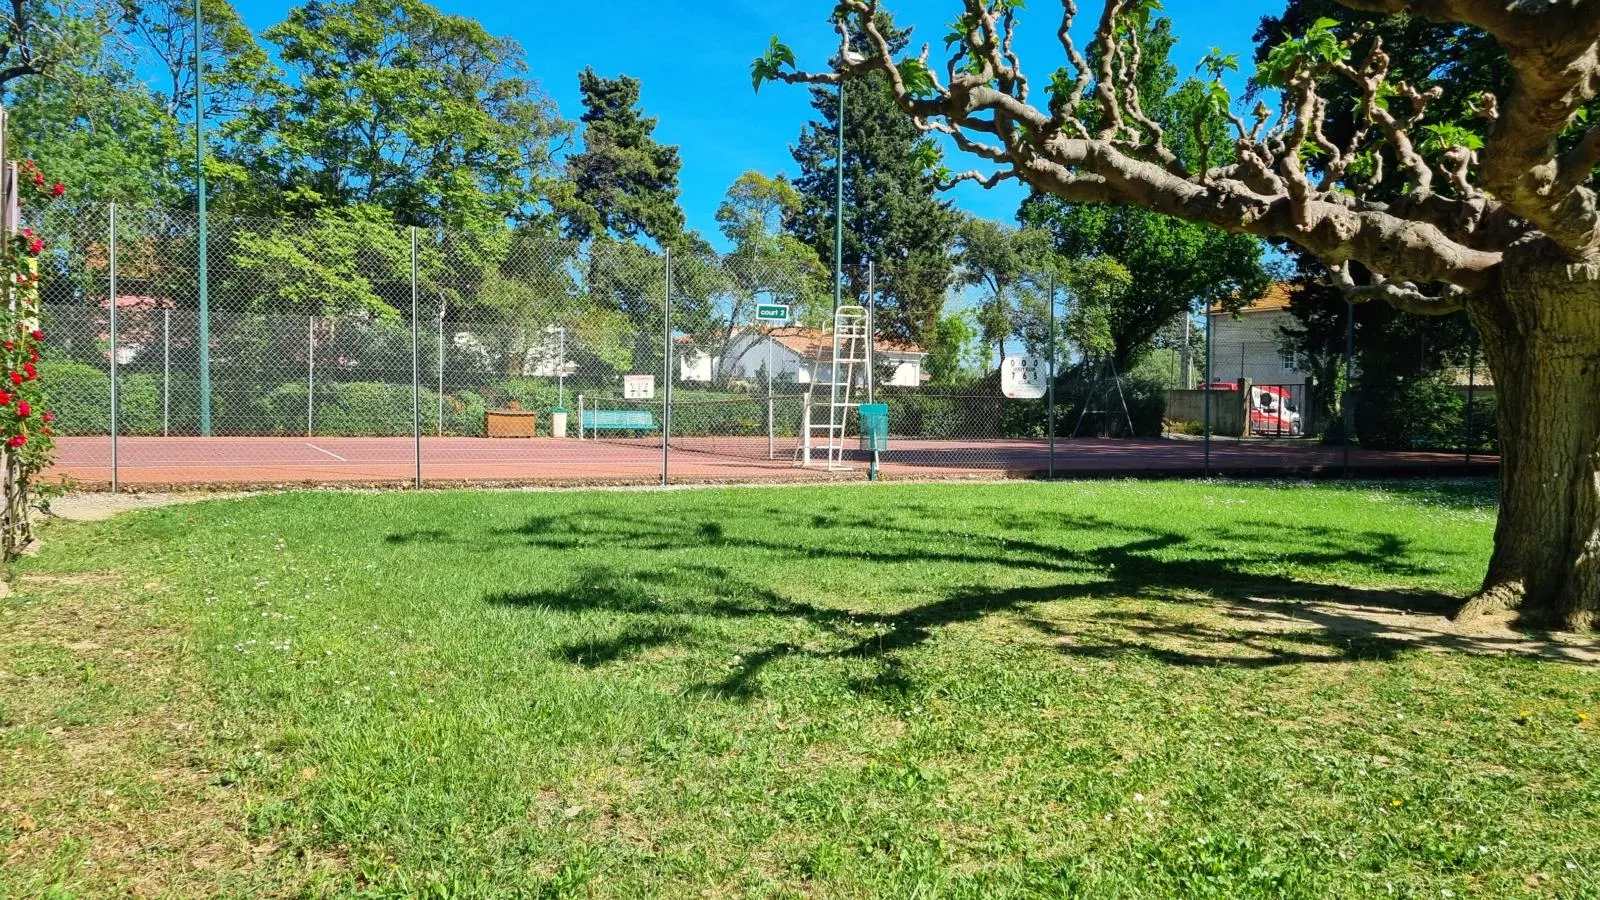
<point x="396" y="105"/>
<point x="1508" y="231"/>
<point x="1182" y="266"/>
<point x="1007" y="265"/>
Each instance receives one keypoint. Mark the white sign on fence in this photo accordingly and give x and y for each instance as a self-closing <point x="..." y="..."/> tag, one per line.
<point x="638" y="387"/>
<point x="1024" y="377"/>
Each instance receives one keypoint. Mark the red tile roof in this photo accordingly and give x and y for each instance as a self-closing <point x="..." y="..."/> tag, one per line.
<point x="807" y="341"/>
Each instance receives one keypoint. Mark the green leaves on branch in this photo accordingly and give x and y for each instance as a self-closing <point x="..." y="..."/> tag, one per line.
<point x="930" y="158"/>
<point x="1216" y="63"/>
<point x="1062" y="88"/>
<point x="1443" y="136"/>
<point x="917" y="78"/>
<point x="959" y="30"/>
<point x="1319" y="47"/>
<point x="1138" y="15"/>
<point x="1363" y="165"/>
<point x="767" y="67"/>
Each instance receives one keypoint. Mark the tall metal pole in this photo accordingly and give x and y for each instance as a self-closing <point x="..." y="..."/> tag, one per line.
<point x="666" y="373"/>
<point x="416" y="363"/>
<point x="311" y="375"/>
<point x="1186" y="356"/>
<point x="166" y="372"/>
<point x="439" y="423"/>
<point x="1349" y="382"/>
<point x="1050" y="387"/>
<point x="872" y="331"/>
<point x="772" y="437"/>
<point x="200" y="209"/>
<point x="113" y="251"/>
<point x="838" y="210"/>
<point x="1210" y="373"/>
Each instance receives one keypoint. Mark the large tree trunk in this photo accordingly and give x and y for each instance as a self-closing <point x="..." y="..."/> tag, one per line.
<point x="1541" y="333"/>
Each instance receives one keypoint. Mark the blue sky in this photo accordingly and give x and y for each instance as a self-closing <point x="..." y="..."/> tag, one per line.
<point x="694" y="62"/>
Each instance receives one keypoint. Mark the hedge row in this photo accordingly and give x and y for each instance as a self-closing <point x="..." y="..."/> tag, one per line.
<point x="1425" y="414"/>
<point x="80" y="395"/>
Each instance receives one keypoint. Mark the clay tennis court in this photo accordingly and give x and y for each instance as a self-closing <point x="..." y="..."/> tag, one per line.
<point x="151" y="463"/>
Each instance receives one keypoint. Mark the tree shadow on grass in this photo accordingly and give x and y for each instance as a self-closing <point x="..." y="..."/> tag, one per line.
<point x="634" y="640"/>
<point x="1236" y="617"/>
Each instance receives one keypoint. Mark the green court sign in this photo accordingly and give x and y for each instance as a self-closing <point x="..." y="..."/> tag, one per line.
<point x="772" y="312"/>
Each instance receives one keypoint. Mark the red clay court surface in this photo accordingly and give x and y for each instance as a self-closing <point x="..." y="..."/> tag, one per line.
<point x="152" y="463"/>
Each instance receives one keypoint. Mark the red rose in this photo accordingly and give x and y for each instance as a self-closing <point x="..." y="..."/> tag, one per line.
<point x="32" y="372"/>
<point x="16" y="378"/>
<point x="37" y="335"/>
<point x="38" y="177"/>
<point x="36" y="246"/>
<point x="9" y="346"/>
<point x="17" y="441"/>
<point x="49" y="417"/>
<point x="5" y="398"/>
<point x="58" y="189"/>
<point x="24" y="409"/>
<point x="33" y="354"/>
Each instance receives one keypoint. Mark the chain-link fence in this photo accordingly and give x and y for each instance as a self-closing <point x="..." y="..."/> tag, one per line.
<point x="348" y="351"/>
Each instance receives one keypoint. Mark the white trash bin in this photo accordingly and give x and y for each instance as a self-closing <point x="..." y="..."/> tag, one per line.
<point x="558" y="423"/>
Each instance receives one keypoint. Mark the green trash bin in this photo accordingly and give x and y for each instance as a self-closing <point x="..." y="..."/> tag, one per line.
<point x="875" y="427"/>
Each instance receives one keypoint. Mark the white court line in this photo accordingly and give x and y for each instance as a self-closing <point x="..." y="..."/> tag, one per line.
<point x="329" y="452"/>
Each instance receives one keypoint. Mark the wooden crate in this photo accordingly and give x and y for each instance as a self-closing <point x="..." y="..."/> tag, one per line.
<point x="509" y="423"/>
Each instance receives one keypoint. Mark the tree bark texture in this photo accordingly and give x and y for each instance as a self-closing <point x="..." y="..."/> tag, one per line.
<point x="1541" y="334"/>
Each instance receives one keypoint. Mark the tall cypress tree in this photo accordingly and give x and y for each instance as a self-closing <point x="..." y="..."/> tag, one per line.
<point x="893" y="215"/>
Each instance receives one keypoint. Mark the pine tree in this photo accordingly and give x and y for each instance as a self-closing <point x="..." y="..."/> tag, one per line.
<point x="624" y="184"/>
<point x="893" y="215"/>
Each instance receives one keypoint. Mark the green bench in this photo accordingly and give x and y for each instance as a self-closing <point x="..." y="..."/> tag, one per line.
<point x="596" y="420"/>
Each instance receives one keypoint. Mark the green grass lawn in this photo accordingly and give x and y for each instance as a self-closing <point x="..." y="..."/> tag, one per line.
<point x="1090" y="689"/>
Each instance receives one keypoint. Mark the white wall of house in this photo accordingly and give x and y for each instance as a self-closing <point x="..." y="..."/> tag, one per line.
<point x="696" y="366"/>
<point x="747" y="358"/>
<point x="1251" y="346"/>
<point x="907" y="369"/>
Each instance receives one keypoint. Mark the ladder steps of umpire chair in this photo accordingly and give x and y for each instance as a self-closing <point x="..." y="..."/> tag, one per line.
<point x="848" y="351"/>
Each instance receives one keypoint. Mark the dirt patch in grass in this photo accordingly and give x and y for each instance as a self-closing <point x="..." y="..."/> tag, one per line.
<point x="107" y="783"/>
<point x="95" y="506"/>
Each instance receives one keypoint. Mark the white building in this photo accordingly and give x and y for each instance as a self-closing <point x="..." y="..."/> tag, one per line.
<point x="547" y="356"/>
<point x="799" y="355"/>
<point x="1250" y="344"/>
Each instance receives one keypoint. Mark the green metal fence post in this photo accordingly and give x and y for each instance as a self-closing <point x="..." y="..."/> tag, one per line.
<point x="416" y="365"/>
<point x="1050" y="387"/>
<point x="112" y="214"/>
<point x="200" y="209"/>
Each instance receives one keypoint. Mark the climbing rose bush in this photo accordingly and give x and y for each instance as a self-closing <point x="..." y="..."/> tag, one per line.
<point x="24" y="415"/>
